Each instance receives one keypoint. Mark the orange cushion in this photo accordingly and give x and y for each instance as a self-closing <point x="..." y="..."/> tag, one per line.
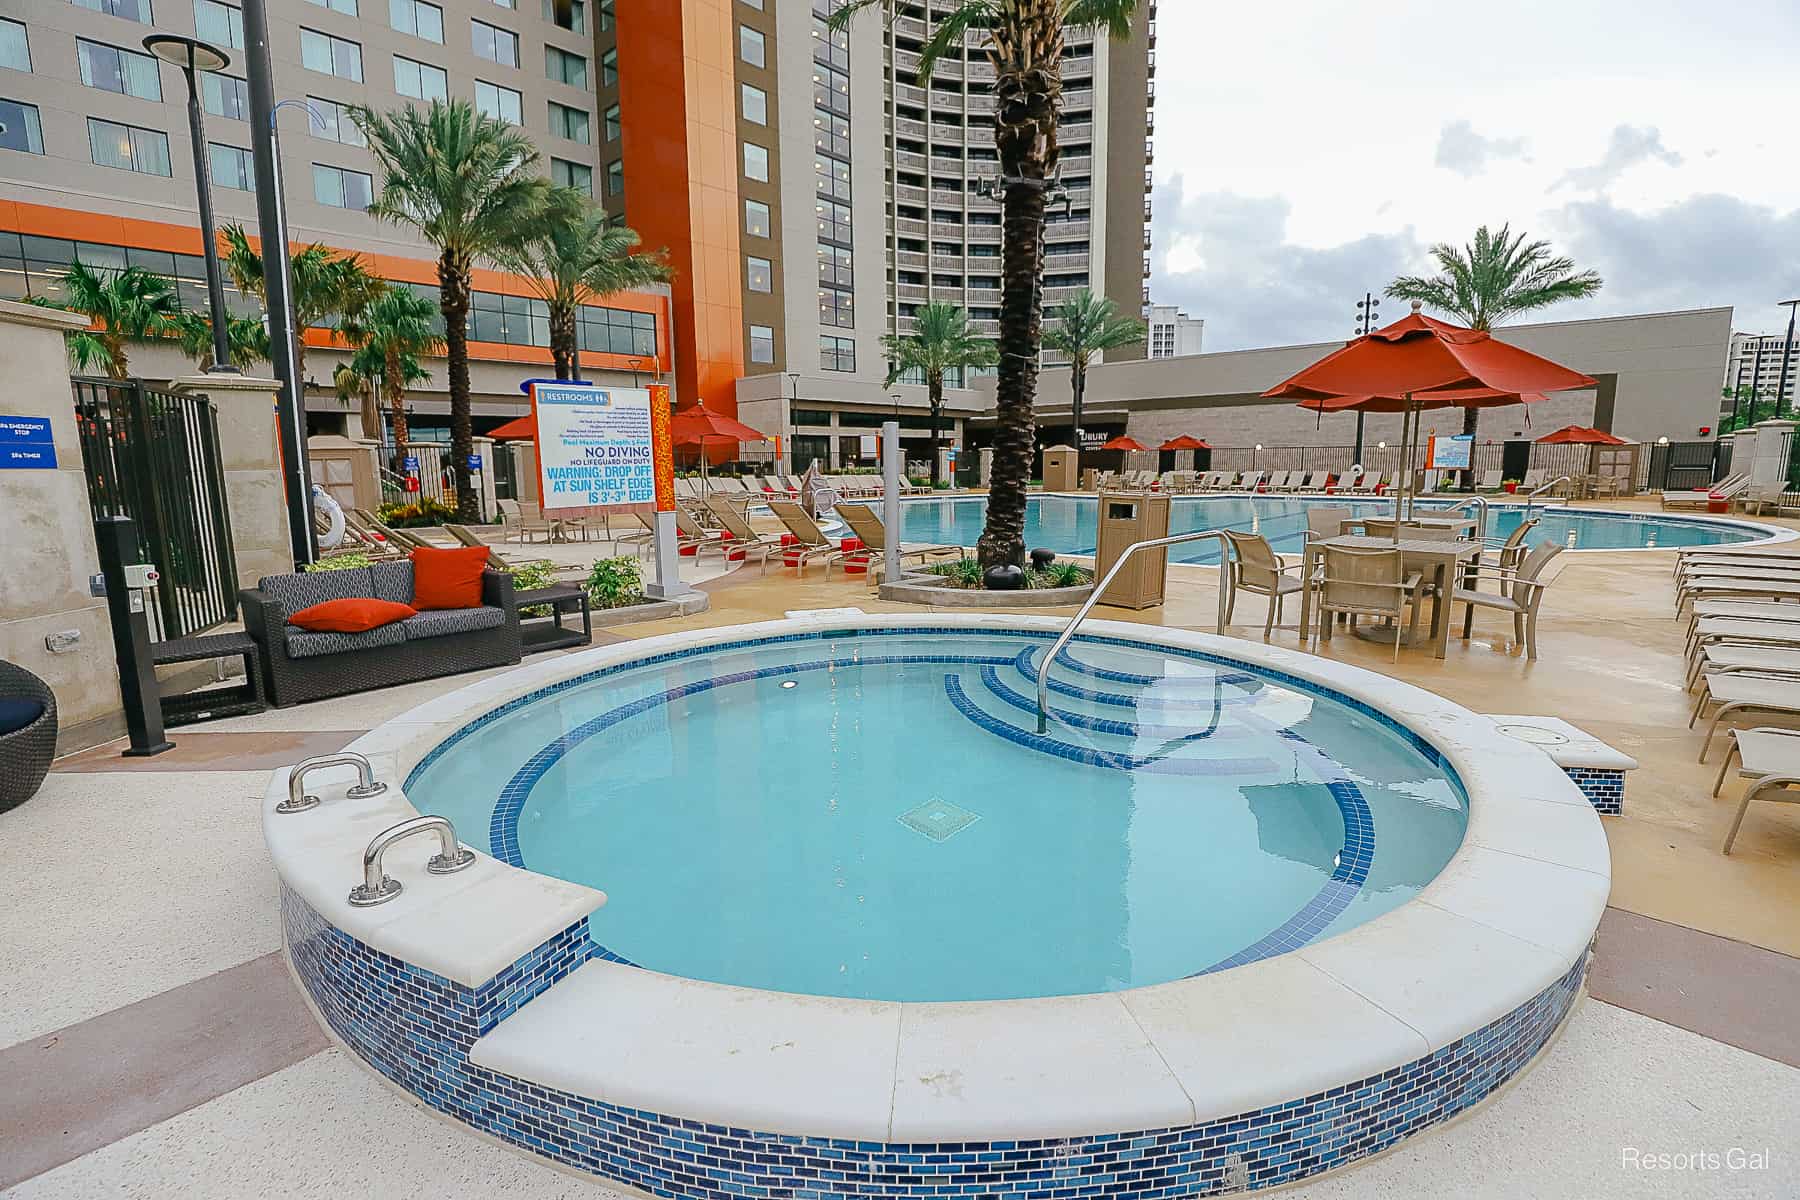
<point x="358" y="614"/>
<point x="448" y="578"/>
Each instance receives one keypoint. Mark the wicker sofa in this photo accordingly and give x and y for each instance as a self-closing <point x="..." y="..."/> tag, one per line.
<point x="298" y="666"/>
<point x="27" y="734"/>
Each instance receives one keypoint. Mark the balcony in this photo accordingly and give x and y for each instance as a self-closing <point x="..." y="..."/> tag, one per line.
<point x="1063" y="231"/>
<point x="909" y="260"/>
<point x="907" y="227"/>
<point x="906" y="160"/>
<point x="907" y="194"/>
<point x="906" y="127"/>
<point x="946" y="262"/>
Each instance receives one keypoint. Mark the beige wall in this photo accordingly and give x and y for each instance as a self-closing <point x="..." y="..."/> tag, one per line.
<point x="47" y="554"/>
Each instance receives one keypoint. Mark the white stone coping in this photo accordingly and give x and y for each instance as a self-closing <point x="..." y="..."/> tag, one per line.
<point x="1512" y="911"/>
<point x="1569" y="747"/>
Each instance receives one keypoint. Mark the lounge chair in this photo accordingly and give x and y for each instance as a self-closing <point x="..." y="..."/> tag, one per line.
<point x="529" y="524"/>
<point x="1736" y="694"/>
<point x="1277" y="482"/>
<point x="744" y="537"/>
<point x="1369" y="484"/>
<point x="1365" y="583"/>
<point x="1257" y="569"/>
<point x="467" y="537"/>
<point x="1315" y="481"/>
<point x="1518" y="591"/>
<point x="811" y="542"/>
<point x="1769" y="756"/>
<point x="1250" y="481"/>
<point x="873" y="534"/>
<point x="1490" y="481"/>
<point x="1534" y="479"/>
<point x="1738" y="631"/>
<point x="1717" y="586"/>
<point x="1726" y="489"/>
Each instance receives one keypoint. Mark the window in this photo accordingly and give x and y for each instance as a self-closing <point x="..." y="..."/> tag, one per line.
<point x="613" y="125"/>
<point x="564" y="67"/>
<point x="19" y="127"/>
<point x="570" y="123"/>
<point x="131" y="10"/>
<point x="231" y="167"/>
<point x="494" y="44"/>
<point x="421" y="81"/>
<point x="341" y="188"/>
<point x="573" y="175"/>
<point x="328" y="55"/>
<point x="831" y="90"/>
<point x="506" y="3"/>
<point x="834" y="221"/>
<point x="835" y="266"/>
<point x="605" y="13"/>
<point x="756" y="4"/>
<point x="756" y="162"/>
<point x="615" y="179"/>
<point x="114" y="70"/>
<point x="223" y="96"/>
<point x="762" y="344"/>
<point x="831" y="133"/>
<point x="418" y="18"/>
<point x="756" y="104"/>
<point x="832" y="48"/>
<point x="761" y="275"/>
<point x="831" y="177"/>
<point x="837" y="308"/>
<point x="837" y="353"/>
<point x="347" y="7"/>
<point x="751" y="47"/>
<point x="220" y="24"/>
<point x="337" y="125"/>
<point x="499" y="102"/>
<point x="756" y="218"/>
<point x="15" y="49"/>
<point x="128" y="148"/>
<point x="609" y="68"/>
<point x="577" y="16"/>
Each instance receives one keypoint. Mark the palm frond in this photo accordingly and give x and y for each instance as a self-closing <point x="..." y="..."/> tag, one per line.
<point x="1086" y="324"/>
<point x="1113" y="17"/>
<point x="942" y="340"/>
<point x="1499" y="274"/>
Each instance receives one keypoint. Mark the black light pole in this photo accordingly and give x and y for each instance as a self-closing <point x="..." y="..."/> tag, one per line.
<point x="194" y="56"/>
<point x="1366" y="316"/>
<point x="290" y="406"/>
<point x="1787" y="356"/>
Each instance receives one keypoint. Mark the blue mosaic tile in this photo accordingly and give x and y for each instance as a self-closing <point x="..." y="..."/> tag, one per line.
<point x="416" y="1028"/>
<point x="1604" y="789"/>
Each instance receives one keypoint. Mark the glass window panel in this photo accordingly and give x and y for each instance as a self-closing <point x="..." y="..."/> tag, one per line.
<point x="613" y="125"/>
<point x="762" y="344"/>
<point x="751" y="46"/>
<point x="756" y="104"/>
<point x="420" y="19"/>
<point x="20" y="128"/>
<point x="756" y="218"/>
<point x="102" y="257"/>
<point x="130" y="10"/>
<point x="564" y="67"/>
<point x="499" y="102"/>
<point x="220" y="24"/>
<point x="225" y="96"/>
<point x="756" y="162"/>
<point x="15" y="48"/>
<point x="760" y="276"/>
<point x="231" y="167"/>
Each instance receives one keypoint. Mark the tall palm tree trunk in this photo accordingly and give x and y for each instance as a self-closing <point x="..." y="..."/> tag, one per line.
<point x="1021" y="331"/>
<point x="1078" y="389"/>
<point x="935" y="394"/>
<point x="454" y="287"/>
<point x="563" y="346"/>
<point x="371" y="412"/>
<point x="393" y="382"/>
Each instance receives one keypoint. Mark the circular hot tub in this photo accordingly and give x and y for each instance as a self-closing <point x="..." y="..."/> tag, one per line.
<point x="1238" y="915"/>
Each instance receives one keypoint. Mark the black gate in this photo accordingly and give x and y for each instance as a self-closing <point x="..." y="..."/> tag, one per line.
<point x="1682" y="466"/>
<point x="153" y="456"/>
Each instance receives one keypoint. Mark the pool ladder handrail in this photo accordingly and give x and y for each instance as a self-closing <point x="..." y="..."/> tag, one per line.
<point x="378" y="887"/>
<point x="299" y="801"/>
<point x="1539" y="490"/>
<point x="1481" y="522"/>
<point x="1056" y="647"/>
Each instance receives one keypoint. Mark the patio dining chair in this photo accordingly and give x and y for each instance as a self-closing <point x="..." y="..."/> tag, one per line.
<point x="1365" y="583"/>
<point x="1256" y="568"/>
<point x="1518" y="592"/>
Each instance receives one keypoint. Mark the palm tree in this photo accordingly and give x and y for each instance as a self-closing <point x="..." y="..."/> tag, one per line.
<point x="1087" y="325"/>
<point x="326" y="284"/>
<point x="394" y="331"/>
<point x="468" y="183"/>
<point x="1497" y="276"/>
<point x="576" y="261"/>
<point x="351" y="384"/>
<point x="942" y="340"/>
<point x="129" y="305"/>
<point x="1023" y="40"/>
<point x="247" y="338"/>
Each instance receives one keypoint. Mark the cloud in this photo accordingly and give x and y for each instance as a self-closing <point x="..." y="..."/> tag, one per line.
<point x="1226" y="257"/>
<point x="1629" y="146"/>
<point x="1466" y="152"/>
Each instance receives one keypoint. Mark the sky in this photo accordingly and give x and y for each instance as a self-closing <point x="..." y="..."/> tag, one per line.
<point x="1312" y="150"/>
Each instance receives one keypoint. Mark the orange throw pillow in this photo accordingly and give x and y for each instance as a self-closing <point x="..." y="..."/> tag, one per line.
<point x="358" y="614"/>
<point x="448" y="578"/>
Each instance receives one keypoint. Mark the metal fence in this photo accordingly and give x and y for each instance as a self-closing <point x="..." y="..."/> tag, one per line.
<point x="1552" y="460"/>
<point x="153" y="456"/>
<point x="436" y="480"/>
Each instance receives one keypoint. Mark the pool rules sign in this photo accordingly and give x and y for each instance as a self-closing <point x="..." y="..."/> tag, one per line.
<point x="594" y="446"/>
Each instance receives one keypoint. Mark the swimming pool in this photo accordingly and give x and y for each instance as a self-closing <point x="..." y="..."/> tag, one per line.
<point x="1066" y="524"/>
<point x="873" y="815"/>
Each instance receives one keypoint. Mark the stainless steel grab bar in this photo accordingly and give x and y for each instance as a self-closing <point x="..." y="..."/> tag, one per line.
<point x="378" y="887"/>
<point x="299" y="801"/>
<point x="1539" y="490"/>
<point x="1043" y="675"/>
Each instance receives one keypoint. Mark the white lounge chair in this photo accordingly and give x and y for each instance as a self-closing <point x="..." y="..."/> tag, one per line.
<point x="1250" y="481"/>
<point x="1769" y="756"/>
<point x="1735" y="694"/>
<point x="1726" y="489"/>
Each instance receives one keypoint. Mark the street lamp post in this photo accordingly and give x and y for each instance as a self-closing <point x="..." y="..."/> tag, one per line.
<point x="787" y="426"/>
<point x="194" y="56"/>
<point x="1787" y="355"/>
<point x="1366" y="316"/>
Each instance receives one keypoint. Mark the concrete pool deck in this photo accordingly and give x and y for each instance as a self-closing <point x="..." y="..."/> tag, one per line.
<point x="155" y="1046"/>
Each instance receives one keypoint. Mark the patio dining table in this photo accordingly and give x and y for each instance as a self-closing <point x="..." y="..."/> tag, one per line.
<point x="1437" y="560"/>
<point x="1462" y="525"/>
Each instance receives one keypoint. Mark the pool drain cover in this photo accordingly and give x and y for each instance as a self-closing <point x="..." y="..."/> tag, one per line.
<point x="938" y="820"/>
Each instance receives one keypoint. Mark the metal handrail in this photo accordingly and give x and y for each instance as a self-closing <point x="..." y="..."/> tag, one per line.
<point x="1056" y="647"/>
<point x="365" y="786"/>
<point x="1539" y="490"/>
<point x="378" y="887"/>
<point x="1481" y="524"/>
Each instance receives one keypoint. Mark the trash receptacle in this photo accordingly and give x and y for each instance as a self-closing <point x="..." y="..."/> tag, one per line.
<point x="1059" y="469"/>
<point x="1126" y="518"/>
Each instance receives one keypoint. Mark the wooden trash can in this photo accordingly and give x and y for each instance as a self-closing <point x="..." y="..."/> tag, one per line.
<point x="1059" y="469"/>
<point x="1127" y="517"/>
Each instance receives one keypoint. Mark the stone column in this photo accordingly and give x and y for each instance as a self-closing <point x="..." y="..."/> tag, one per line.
<point x="987" y="466"/>
<point x="1743" y="452"/>
<point x="485" y="449"/>
<point x="250" y="455"/>
<point x="50" y="624"/>
<point x="1772" y="442"/>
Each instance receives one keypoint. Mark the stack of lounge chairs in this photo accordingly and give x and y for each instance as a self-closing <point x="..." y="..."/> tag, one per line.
<point x="1742" y="611"/>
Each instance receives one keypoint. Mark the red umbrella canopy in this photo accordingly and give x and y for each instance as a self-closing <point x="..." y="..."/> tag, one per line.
<point x="521" y="427"/>
<point x="1184" y="442"/>
<point x="1437" y="364"/>
<point x="1124" y="442"/>
<point x="700" y="426"/>
<point x="1581" y="435"/>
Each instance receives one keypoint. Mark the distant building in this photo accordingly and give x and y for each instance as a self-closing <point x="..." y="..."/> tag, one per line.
<point x="1742" y="369"/>
<point x="1174" y="334"/>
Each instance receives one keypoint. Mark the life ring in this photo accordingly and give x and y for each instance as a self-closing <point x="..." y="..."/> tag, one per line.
<point x="326" y="510"/>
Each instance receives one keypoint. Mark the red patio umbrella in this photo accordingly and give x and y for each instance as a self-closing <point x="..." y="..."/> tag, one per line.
<point x="519" y="427"/>
<point x="1581" y="435"/>
<point x="700" y="426"/>
<point x="1184" y="442"/>
<point x="1124" y="442"/>
<point x="1418" y="363"/>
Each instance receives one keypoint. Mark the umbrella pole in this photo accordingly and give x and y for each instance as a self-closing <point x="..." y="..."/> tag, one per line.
<point x="1406" y="423"/>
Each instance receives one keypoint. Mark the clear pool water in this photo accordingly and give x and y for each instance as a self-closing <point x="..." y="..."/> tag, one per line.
<point x="873" y="815"/>
<point x="1066" y="524"/>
